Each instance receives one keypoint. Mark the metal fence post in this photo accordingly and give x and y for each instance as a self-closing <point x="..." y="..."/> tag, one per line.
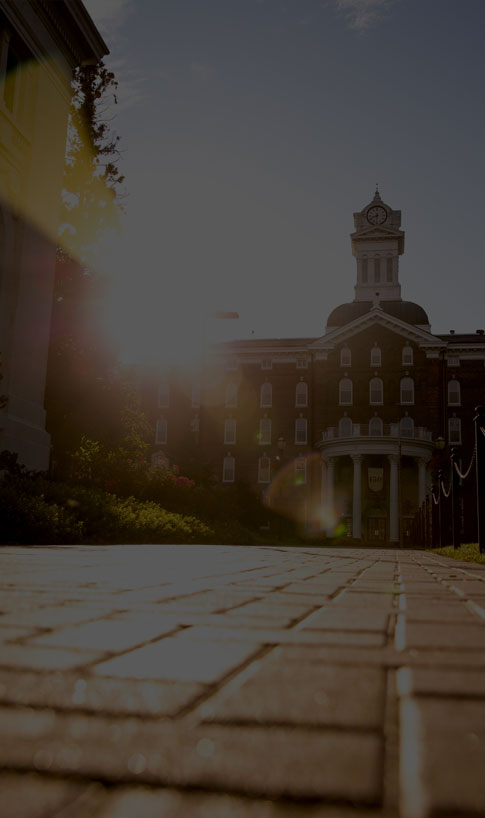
<point x="455" y="501"/>
<point x="480" y="467"/>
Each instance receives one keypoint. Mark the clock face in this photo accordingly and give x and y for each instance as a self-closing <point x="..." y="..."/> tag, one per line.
<point x="376" y="215"/>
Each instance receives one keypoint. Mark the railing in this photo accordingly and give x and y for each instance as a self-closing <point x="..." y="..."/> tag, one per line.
<point x="387" y="430"/>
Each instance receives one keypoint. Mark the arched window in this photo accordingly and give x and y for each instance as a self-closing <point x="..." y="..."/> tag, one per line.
<point x="376" y="391"/>
<point x="345" y="427"/>
<point x="407" y="356"/>
<point x="375" y="356"/>
<point x="301" y="398"/>
<point x="454" y="393"/>
<point x="375" y="427"/>
<point x="266" y="395"/>
<point x="345" y="357"/>
<point x="231" y="395"/>
<point x="406" y="427"/>
<point x="407" y="390"/>
<point x="345" y="392"/>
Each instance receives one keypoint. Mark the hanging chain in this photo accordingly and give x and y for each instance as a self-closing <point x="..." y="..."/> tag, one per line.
<point x="464" y="475"/>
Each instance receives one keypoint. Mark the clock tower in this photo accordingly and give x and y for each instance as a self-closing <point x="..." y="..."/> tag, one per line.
<point x="377" y="244"/>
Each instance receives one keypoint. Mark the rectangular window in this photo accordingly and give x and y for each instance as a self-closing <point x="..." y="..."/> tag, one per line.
<point x="266" y="363"/>
<point x="300" y="471"/>
<point x="454" y="430"/>
<point x="230" y="430"/>
<point x="264" y="470"/>
<point x="453" y="361"/>
<point x="163" y="396"/>
<point x="301" y="362"/>
<point x="300" y="430"/>
<point x="228" y="470"/>
<point x="161" y="433"/>
<point x="264" y="432"/>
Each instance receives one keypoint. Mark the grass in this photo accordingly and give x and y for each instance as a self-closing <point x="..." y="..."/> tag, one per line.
<point x="468" y="552"/>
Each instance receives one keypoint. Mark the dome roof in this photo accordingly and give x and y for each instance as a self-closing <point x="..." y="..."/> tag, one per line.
<point x="406" y="311"/>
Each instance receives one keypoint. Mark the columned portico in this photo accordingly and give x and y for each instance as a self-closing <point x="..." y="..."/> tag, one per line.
<point x="394" y="498"/>
<point x="357" y="497"/>
<point x="380" y="464"/>
<point x="422" y="475"/>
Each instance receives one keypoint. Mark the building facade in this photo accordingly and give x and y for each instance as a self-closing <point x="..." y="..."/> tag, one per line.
<point x="338" y="431"/>
<point x="41" y="42"/>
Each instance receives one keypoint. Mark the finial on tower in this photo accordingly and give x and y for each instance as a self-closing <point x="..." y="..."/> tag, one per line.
<point x="377" y="195"/>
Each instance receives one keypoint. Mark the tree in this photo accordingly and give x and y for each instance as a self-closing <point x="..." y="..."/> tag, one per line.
<point x="81" y="387"/>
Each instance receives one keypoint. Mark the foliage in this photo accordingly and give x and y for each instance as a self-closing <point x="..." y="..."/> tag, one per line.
<point x="43" y="511"/>
<point x="468" y="552"/>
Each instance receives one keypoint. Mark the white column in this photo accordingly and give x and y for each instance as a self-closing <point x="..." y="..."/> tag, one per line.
<point x="329" y="495"/>
<point x="357" y="497"/>
<point x="422" y="476"/>
<point x="394" y="499"/>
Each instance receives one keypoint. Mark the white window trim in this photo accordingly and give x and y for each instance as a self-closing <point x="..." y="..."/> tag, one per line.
<point x="344" y="361"/>
<point x="376" y="351"/>
<point x="267" y="363"/>
<point x="376" y="421"/>
<point x="376" y="402"/>
<point x="230" y="431"/>
<point x="457" y="422"/>
<point x="409" y="432"/>
<point x="303" y="424"/>
<point x="301" y="362"/>
<point x="228" y="465"/>
<point x="401" y="400"/>
<point x="410" y="361"/>
<point x="301" y="387"/>
<point x="345" y="402"/>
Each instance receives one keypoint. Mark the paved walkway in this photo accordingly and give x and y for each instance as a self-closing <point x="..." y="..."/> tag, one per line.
<point x="232" y="682"/>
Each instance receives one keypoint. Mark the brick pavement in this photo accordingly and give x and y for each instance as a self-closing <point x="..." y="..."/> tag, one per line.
<point x="232" y="682"/>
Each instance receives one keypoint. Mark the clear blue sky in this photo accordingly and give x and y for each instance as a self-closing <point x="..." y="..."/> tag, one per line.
<point x="252" y="129"/>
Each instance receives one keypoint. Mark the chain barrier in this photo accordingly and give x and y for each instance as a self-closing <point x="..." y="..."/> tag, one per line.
<point x="464" y="475"/>
<point x="435" y="499"/>
<point x="447" y="493"/>
<point x="482" y="429"/>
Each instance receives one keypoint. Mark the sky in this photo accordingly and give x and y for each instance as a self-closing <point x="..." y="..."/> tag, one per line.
<point x="251" y="131"/>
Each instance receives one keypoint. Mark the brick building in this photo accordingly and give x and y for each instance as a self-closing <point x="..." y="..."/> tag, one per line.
<point x="338" y="431"/>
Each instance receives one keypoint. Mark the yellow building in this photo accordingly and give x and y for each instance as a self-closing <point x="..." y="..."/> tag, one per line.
<point x="40" y="45"/>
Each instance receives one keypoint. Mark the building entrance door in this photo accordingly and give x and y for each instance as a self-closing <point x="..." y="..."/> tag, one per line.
<point x="376" y="529"/>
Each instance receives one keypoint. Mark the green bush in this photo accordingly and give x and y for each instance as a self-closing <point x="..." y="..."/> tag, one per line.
<point x="37" y="510"/>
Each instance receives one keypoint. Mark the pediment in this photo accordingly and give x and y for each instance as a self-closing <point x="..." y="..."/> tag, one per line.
<point x="377" y="317"/>
<point x="377" y="232"/>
